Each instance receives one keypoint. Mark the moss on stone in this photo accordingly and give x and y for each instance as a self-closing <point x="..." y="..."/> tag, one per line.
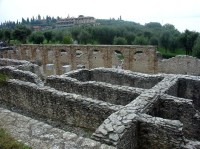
<point x="7" y="142"/>
<point x="3" y="79"/>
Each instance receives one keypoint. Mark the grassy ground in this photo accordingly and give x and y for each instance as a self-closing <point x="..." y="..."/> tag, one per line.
<point x="7" y="142"/>
<point x="170" y="54"/>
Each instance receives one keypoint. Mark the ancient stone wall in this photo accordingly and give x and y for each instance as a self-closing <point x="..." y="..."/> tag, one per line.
<point x="62" y="107"/>
<point x="12" y="62"/>
<point x="12" y="73"/>
<point x="154" y="119"/>
<point x="21" y="65"/>
<point x="111" y="87"/>
<point x="57" y="59"/>
<point x="169" y="107"/>
<point x="131" y="115"/>
<point x="135" y="58"/>
<point x="180" y="65"/>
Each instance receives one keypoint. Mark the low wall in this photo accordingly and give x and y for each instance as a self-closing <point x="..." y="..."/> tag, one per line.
<point x="22" y="65"/>
<point x="87" y="84"/>
<point x="180" y="65"/>
<point x="101" y="91"/>
<point x="27" y="76"/>
<point x="159" y="133"/>
<point x="51" y="104"/>
<point x="169" y="107"/>
<point x="11" y="62"/>
<point x="116" y="77"/>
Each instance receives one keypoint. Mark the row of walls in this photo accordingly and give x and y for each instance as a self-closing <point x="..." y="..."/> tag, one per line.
<point x="89" y="83"/>
<point x="48" y="103"/>
<point x="157" y="118"/>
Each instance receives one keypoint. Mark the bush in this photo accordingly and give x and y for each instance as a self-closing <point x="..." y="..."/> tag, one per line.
<point x="67" y="40"/>
<point x="37" y="38"/>
<point x="119" y="41"/>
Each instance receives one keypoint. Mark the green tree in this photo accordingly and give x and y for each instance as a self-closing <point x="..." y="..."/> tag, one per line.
<point x="21" y="33"/>
<point x="1" y="34"/>
<point x="169" y="27"/>
<point x="153" y="41"/>
<point x="119" y="41"/>
<point x="130" y="37"/>
<point x="165" y="40"/>
<point x="196" y="48"/>
<point x="75" y="32"/>
<point x="23" y="21"/>
<point x="153" y="25"/>
<point x="147" y="34"/>
<point x="173" y="45"/>
<point x="48" y="35"/>
<point x="37" y="38"/>
<point x="140" y="40"/>
<point x="67" y="39"/>
<point x="59" y="35"/>
<point x="188" y="39"/>
<point x="84" y="37"/>
<point x="7" y="35"/>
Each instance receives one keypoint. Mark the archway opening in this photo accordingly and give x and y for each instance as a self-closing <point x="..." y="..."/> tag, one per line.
<point x="117" y="59"/>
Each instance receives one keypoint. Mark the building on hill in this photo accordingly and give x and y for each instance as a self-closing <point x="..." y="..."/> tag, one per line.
<point x="71" y="21"/>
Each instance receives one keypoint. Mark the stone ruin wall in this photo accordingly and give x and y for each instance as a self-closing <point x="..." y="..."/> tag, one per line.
<point x="157" y="115"/>
<point x="136" y="58"/>
<point x="180" y="65"/>
<point x="123" y="109"/>
<point x="58" y="59"/>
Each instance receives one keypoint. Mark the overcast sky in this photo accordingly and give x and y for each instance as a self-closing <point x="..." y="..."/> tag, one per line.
<point x="183" y="14"/>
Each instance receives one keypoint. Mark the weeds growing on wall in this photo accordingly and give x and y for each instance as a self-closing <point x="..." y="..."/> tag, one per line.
<point x="3" y="79"/>
<point x="7" y="142"/>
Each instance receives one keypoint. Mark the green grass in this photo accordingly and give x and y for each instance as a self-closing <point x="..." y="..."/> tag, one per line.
<point x="170" y="54"/>
<point x="15" y="42"/>
<point x="8" y="142"/>
<point x="3" y="79"/>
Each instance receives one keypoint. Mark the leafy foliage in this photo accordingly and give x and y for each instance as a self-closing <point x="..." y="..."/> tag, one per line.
<point x="165" y="40"/>
<point x="37" y="38"/>
<point x="21" y="33"/>
<point x="119" y="41"/>
<point x="7" y="35"/>
<point x="48" y="35"/>
<point x="67" y="40"/>
<point x="108" y="32"/>
<point x="188" y="39"/>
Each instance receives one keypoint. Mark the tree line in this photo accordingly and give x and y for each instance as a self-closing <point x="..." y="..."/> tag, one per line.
<point x="110" y="32"/>
<point x="34" y="21"/>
